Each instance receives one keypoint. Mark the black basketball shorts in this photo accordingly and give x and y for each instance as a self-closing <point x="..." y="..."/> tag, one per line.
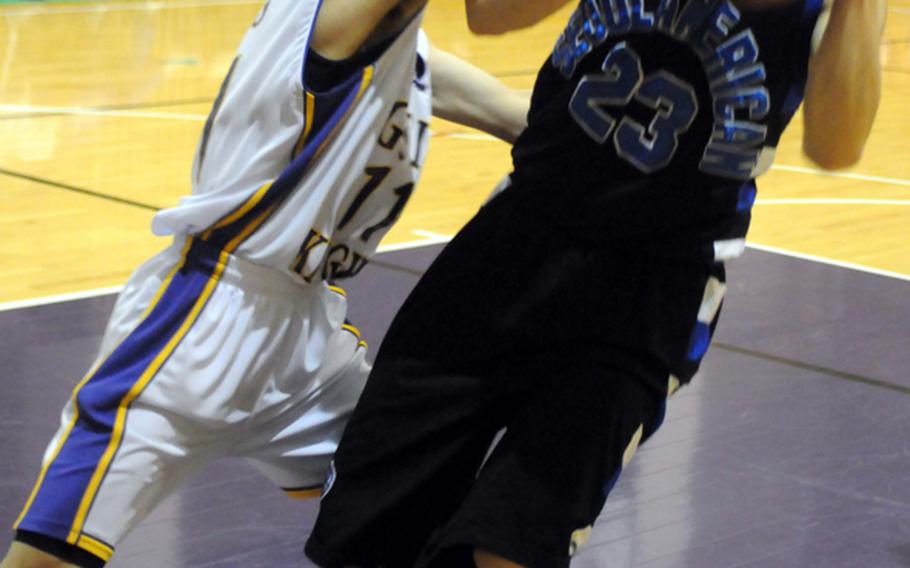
<point x="571" y="348"/>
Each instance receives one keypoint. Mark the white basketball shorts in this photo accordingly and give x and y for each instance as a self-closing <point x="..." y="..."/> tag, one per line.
<point x="205" y="356"/>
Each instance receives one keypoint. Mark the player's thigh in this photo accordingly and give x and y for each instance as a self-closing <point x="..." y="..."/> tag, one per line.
<point x="294" y="447"/>
<point x="21" y="555"/>
<point x="91" y="500"/>
<point x="407" y="457"/>
<point x="538" y="495"/>
<point x="157" y="455"/>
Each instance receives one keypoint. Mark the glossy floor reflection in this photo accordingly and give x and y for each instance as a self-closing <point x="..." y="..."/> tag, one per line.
<point x="789" y="450"/>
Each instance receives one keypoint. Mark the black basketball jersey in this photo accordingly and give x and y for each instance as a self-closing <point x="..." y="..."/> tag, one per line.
<point x="651" y="118"/>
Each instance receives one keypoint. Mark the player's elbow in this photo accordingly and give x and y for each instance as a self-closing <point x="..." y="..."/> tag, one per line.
<point x="830" y="156"/>
<point x="833" y="159"/>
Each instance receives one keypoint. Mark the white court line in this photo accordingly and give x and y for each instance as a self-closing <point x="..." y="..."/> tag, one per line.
<point x="433" y="239"/>
<point x="76" y="111"/>
<point x="844" y="175"/>
<point x="832" y="201"/>
<point x="428" y="240"/>
<point x="430" y="235"/>
<point x="28" y="109"/>
<point x="122" y="7"/>
<point x="830" y="262"/>
<point x="780" y="167"/>
<point x="56" y="299"/>
<point x="436" y="239"/>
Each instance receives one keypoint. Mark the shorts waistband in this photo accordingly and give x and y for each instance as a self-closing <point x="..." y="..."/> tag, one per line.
<point x="246" y="274"/>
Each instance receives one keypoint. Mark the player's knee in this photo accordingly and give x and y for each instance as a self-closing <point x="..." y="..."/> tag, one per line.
<point x="24" y="556"/>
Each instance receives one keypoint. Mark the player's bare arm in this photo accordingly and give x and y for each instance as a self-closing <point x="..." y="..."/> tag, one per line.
<point x="338" y="35"/>
<point x="469" y="95"/>
<point x="844" y="85"/>
<point x="500" y="16"/>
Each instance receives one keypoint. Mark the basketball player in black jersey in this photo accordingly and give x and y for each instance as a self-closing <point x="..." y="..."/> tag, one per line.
<point x="105" y="470"/>
<point x="574" y="304"/>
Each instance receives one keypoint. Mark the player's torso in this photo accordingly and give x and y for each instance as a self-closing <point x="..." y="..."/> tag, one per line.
<point x="307" y="182"/>
<point x="653" y="116"/>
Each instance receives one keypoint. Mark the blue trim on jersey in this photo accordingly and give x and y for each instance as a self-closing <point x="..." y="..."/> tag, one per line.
<point x="746" y="198"/>
<point x="794" y="99"/>
<point x="658" y="421"/>
<point x="811" y="10"/>
<point x="54" y="508"/>
<point x="327" y="104"/>
<point x="306" y="46"/>
<point x="346" y="95"/>
<point x="701" y="339"/>
<point x="612" y="483"/>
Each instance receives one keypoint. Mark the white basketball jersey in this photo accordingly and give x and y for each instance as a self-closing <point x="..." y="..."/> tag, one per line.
<point x="300" y="181"/>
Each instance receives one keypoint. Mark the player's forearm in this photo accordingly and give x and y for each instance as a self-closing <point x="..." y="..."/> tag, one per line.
<point x="470" y="96"/>
<point x="844" y="85"/>
<point x="500" y="16"/>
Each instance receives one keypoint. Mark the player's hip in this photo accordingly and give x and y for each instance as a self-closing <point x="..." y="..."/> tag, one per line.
<point x="513" y="287"/>
<point x="219" y="338"/>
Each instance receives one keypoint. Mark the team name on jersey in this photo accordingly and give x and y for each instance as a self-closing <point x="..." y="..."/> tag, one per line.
<point x="731" y="62"/>
<point x="373" y="208"/>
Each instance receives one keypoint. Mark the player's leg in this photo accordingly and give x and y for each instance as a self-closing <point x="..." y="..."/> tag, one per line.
<point x="429" y="410"/>
<point x="29" y="548"/>
<point x="152" y="460"/>
<point x="22" y="555"/>
<point x="125" y="442"/>
<point x="294" y="445"/>
<point x="628" y="328"/>
<point x="408" y="455"/>
<point x="538" y="495"/>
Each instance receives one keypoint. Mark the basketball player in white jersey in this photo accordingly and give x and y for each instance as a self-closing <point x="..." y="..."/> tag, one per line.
<point x="234" y="342"/>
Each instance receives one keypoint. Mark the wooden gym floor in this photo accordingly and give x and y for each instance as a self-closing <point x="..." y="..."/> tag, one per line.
<point x="101" y="105"/>
<point x="789" y="450"/>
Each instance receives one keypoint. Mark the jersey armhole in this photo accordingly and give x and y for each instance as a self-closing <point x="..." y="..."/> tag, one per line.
<point x="321" y="74"/>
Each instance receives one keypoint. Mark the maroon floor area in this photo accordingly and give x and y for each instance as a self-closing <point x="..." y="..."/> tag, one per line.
<point x="790" y="449"/>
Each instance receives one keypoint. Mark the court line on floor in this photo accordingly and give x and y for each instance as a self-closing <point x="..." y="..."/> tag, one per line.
<point x="124" y="7"/>
<point x="96" y="292"/>
<point x="32" y="111"/>
<point x="39" y="111"/>
<point x="436" y="239"/>
<point x="842" y="175"/>
<point x="75" y="189"/>
<point x="59" y="298"/>
<point x="834" y="373"/>
<point x="778" y="167"/>
<point x="431" y="239"/>
<point x="832" y="201"/>
<point x="829" y="262"/>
